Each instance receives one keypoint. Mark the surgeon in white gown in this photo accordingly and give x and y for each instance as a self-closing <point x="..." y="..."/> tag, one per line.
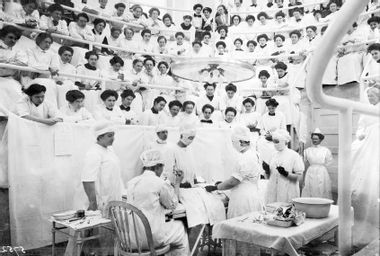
<point x="100" y="181"/>
<point x="365" y="175"/>
<point x="286" y="169"/>
<point x="165" y="147"/>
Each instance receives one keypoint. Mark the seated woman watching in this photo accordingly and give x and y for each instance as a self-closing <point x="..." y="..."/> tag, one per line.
<point x="10" y="89"/>
<point x="33" y="107"/>
<point x="74" y="111"/>
<point x="107" y="110"/>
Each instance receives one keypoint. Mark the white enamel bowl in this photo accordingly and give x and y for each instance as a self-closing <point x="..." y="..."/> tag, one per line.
<point x="314" y="207"/>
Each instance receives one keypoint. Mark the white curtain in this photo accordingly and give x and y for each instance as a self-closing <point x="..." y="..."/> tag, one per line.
<point x="44" y="165"/>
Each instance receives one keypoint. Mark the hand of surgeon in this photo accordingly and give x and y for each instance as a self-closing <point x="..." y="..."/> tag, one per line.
<point x="282" y="171"/>
<point x="268" y="137"/>
<point x="217" y="183"/>
<point x="211" y="188"/>
<point x="178" y="176"/>
<point x="266" y="168"/>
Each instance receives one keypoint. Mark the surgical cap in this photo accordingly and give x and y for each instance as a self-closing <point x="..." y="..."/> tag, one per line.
<point x="188" y="130"/>
<point x="241" y="133"/>
<point x="103" y="127"/>
<point x="281" y="134"/>
<point x="161" y="128"/>
<point x="151" y="158"/>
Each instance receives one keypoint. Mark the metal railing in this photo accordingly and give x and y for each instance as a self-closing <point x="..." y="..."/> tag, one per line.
<point x="102" y="79"/>
<point x="349" y="11"/>
<point x="281" y="9"/>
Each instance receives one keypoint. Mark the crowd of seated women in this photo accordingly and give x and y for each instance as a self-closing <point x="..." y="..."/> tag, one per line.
<point x="115" y="83"/>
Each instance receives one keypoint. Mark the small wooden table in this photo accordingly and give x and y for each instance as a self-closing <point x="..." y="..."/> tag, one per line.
<point x="80" y="226"/>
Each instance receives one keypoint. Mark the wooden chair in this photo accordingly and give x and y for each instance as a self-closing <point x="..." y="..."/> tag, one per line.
<point x="124" y="216"/>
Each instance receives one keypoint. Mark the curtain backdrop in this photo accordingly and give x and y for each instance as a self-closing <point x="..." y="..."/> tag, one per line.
<point x="44" y="165"/>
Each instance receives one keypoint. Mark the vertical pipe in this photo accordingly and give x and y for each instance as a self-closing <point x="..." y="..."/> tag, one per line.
<point x="344" y="181"/>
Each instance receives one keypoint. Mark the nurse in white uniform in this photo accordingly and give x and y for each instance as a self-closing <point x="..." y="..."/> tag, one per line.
<point x="286" y="169"/>
<point x="245" y="196"/>
<point x="317" y="179"/>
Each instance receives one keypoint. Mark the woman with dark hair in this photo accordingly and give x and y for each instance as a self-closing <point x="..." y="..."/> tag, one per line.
<point x="372" y="66"/>
<point x="263" y="49"/>
<point x="155" y="115"/>
<point x="272" y="120"/>
<point x="109" y="110"/>
<point x="221" y="17"/>
<point x="99" y="34"/>
<point x="188" y="114"/>
<point x="120" y="13"/>
<point x="34" y="107"/>
<point x="249" y="118"/>
<point x="209" y="97"/>
<point x="168" y="24"/>
<point x="223" y="37"/>
<point x="74" y="111"/>
<point x="10" y="89"/>
<point x="163" y="78"/>
<point x="153" y="22"/>
<point x="317" y="179"/>
<point x="25" y="13"/>
<point x="229" y="118"/>
<point x="236" y="27"/>
<point x="54" y="22"/>
<point x="90" y="87"/>
<point x="65" y="84"/>
<point x="80" y="29"/>
<point x="41" y="57"/>
<point x="146" y="44"/>
<point x="115" y="72"/>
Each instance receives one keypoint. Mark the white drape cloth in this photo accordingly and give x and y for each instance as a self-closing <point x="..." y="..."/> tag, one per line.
<point x="45" y="163"/>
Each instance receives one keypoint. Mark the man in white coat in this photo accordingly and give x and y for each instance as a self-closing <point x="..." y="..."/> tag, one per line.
<point x="153" y="196"/>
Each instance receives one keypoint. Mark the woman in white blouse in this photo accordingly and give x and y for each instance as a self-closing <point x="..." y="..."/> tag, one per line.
<point x="153" y="23"/>
<point x="115" y="73"/>
<point x="108" y="110"/>
<point x="10" y="89"/>
<point x="236" y="27"/>
<point x="170" y="26"/>
<point x="229" y="118"/>
<point x="90" y="87"/>
<point x="80" y="29"/>
<point x="42" y="58"/>
<point x="99" y="34"/>
<point x="74" y="111"/>
<point x="120" y="14"/>
<point x="34" y="107"/>
<point x="54" y="22"/>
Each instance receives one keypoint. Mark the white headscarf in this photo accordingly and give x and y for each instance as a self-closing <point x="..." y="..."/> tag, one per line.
<point x="151" y="158"/>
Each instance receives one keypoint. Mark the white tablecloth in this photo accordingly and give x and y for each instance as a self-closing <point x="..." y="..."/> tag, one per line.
<point x="286" y="240"/>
